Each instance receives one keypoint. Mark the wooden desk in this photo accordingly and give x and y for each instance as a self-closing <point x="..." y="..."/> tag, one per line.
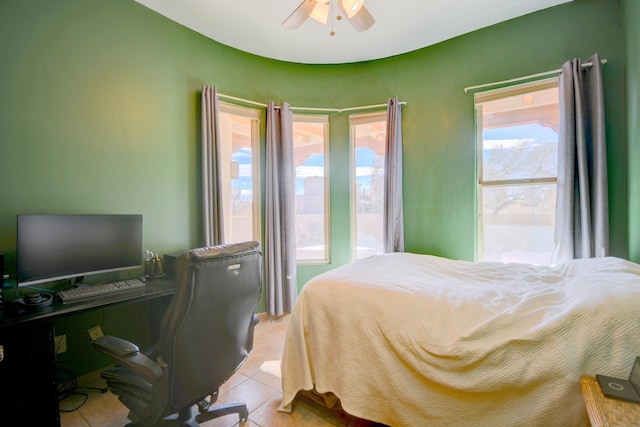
<point x="28" y="389"/>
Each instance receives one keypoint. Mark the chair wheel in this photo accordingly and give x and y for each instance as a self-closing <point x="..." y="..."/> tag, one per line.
<point x="203" y="406"/>
<point x="244" y="415"/>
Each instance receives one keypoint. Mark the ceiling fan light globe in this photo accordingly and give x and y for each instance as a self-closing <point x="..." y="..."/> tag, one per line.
<point x="351" y="7"/>
<point x="320" y="12"/>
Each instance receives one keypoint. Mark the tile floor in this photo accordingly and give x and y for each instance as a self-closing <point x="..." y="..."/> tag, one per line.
<point x="257" y="383"/>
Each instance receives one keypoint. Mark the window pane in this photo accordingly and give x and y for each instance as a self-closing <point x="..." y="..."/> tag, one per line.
<point x="309" y="142"/>
<point x="519" y="152"/>
<point x="238" y="136"/>
<point x="368" y="191"/>
<point x="520" y="136"/>
<point x="518" y="223"/>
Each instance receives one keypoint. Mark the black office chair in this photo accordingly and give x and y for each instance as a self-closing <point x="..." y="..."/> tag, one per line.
<point x="206" y="334"/>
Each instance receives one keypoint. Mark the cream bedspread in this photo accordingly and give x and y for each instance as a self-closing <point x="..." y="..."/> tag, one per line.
<point x="418" y="340"/>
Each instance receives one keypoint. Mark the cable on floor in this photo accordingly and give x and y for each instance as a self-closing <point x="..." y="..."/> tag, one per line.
<point x="71" y="389"/>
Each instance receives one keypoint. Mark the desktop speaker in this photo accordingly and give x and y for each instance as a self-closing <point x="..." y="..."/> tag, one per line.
<point x="169" y="264"/>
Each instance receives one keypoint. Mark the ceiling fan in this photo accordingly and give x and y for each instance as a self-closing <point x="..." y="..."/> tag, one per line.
<point x="354" y="11"/>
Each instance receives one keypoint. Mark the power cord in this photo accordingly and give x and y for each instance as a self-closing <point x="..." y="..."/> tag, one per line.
<point x="71" y="389"/>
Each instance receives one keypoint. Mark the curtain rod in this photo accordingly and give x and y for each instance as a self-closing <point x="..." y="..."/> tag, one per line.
<point x="532" y="76"/>
<point x="332" y="110"/>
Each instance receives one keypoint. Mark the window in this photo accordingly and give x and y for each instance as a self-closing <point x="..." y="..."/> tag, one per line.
<point x="310" y="151"/>
<point x="368" y="135"/>
<point x="517" y="170"/>
<point x="239" y="165"/>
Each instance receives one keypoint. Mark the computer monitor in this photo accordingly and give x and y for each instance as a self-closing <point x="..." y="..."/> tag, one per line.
<point x="54" y="247"/>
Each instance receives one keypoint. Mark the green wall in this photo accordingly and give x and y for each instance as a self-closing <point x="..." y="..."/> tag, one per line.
<point x="99" y="112"/>
<point x="631" y="14"/>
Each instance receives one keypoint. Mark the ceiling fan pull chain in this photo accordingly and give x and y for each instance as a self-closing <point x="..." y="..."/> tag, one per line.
<point x="333" y="13"/>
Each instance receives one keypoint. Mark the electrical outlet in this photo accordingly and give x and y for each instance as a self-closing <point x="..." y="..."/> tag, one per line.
<point x="95" y="332"/>
<point x="61" y="344"/>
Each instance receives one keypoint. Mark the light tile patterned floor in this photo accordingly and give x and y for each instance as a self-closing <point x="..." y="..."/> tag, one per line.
<point x="252" y="384"/>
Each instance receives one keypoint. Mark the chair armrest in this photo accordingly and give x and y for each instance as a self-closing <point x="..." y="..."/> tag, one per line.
<point x="115" y="347"/>
<point x="128" y="354"/>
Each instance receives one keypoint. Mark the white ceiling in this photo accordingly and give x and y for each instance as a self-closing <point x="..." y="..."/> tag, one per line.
<point x="401" y="26"/>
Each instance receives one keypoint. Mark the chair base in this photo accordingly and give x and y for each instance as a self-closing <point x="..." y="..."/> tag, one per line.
<point x="186" y="417"/>
<point x="222" y="410"/>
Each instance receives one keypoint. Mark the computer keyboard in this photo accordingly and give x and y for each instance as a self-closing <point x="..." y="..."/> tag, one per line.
<point x="102" y="289"/>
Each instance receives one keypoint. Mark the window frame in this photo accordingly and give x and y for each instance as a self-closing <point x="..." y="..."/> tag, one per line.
<point x="254" y="115"/>
<point x="322" y="119"/>
<point x="355" y="120"/>
<point x="481" y="98"/>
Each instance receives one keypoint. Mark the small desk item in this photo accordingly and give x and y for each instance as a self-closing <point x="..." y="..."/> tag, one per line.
<point x="604" y="411"/>
<point x="35" y="300"/>
<point x="618" y="388"/>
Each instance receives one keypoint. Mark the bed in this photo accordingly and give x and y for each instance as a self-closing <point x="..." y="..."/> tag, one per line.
<point x="417" y="340"/>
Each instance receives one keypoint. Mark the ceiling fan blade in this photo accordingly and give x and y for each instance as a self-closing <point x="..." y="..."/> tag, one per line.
<point x="299" y="15"/>
<point x="363" y="20"/>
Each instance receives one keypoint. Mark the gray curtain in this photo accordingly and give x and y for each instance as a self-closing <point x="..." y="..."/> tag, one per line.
<point x="211" y="192"/>
<point x="393" y="234"/>
<point x="280" y="249"/>
<point x="582" y="207"/>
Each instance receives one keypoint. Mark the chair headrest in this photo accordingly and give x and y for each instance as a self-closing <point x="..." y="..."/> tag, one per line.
<point x="210" y="252"/>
